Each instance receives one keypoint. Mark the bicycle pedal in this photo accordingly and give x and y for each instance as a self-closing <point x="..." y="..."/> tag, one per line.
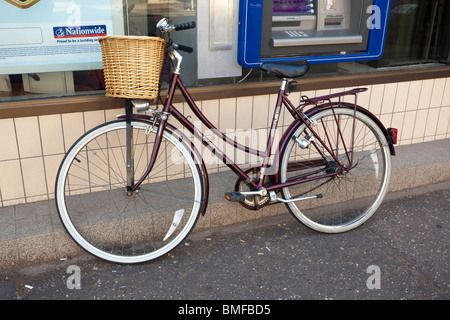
<point x="234" y="196"/>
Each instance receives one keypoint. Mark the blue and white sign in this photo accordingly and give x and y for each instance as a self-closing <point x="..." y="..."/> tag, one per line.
<point x="52" y="36"/>
<point x="79" y="31"/>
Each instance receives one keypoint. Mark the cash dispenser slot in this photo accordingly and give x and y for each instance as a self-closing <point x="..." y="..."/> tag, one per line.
<point x="334" y="21"/>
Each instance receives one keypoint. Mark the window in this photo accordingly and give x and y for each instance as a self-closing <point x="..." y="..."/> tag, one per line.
<point x="418" y="35"/>
<point x="53" y="50"/>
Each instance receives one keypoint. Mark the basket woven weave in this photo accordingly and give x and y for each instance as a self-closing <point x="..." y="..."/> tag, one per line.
<point x="132" y="66"/>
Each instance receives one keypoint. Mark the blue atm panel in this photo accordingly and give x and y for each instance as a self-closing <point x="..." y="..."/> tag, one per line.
<point x="320" y="31"/>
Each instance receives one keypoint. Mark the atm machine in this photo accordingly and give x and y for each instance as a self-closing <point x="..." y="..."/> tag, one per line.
<point x="320" y="31"/>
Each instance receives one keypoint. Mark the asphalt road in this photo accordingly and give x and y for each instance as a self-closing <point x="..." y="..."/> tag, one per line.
<point x="400" y="254"/>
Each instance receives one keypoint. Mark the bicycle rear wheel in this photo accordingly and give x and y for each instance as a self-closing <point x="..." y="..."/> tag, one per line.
<point x="348" y="199"/>
<point x="105" y="220"/>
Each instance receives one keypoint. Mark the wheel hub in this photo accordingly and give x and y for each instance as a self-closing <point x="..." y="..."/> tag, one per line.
<point x="332" y="167"/>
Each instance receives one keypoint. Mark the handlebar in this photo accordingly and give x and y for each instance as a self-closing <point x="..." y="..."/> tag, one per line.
<point x="164" y="26"/>
<point x="185" y="26"/>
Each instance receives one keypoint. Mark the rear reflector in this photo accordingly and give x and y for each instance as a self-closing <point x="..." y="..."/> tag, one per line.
<point x="393" y="134"/>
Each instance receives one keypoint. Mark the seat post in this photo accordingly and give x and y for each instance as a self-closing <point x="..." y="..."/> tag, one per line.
<point x="283" y="84"/>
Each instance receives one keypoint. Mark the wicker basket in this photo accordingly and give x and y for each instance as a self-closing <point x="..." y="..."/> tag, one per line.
<point x="132" y="66"/>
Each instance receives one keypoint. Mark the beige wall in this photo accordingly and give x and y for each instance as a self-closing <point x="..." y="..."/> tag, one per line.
<point x="32" y="147"/>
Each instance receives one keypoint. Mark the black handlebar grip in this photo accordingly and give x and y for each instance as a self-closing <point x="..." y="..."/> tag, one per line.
<point x="185" y="48"/>
<point x="185" y="26"/>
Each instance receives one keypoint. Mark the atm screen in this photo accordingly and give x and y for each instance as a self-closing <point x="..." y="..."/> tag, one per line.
<point x="292" y="6"/>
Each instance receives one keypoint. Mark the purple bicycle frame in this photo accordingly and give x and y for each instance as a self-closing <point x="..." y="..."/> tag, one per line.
<point x="300" y="116"/>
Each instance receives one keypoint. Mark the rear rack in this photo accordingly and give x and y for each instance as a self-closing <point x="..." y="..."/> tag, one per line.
<point x="328" y="97"/>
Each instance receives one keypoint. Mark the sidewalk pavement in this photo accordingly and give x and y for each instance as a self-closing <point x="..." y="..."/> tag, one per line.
<point x="32" y="233"/>
<point x="400" y="253"/>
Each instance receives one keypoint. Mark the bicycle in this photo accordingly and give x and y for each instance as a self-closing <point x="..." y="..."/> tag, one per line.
<point x="131" y="190"/>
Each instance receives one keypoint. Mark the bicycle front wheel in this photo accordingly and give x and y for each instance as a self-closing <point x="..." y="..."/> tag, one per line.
<point x="108" y="222"/>
<point x="350" y="198"/>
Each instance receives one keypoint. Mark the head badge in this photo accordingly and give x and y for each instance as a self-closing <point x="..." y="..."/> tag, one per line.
<point x="23" y="4"/>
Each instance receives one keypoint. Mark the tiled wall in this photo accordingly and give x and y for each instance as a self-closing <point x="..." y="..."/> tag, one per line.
<point x="31" y="148"/>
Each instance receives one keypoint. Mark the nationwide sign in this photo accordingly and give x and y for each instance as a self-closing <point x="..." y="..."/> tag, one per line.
<point x="55" y="36"/>
<point x="78" y="32"/>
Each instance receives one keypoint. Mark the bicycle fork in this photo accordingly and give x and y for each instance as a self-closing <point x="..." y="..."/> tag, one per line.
<point x="162" y="119"/>
<point x="129" y="147"/>
<point x="131" y="185"/>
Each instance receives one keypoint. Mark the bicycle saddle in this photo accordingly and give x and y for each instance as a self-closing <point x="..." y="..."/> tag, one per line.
<point x="286" y="70"/>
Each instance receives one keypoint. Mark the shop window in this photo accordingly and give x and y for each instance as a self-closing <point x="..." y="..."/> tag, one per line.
<point x="418" y="34"/>
<point x="50" y="48"/>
